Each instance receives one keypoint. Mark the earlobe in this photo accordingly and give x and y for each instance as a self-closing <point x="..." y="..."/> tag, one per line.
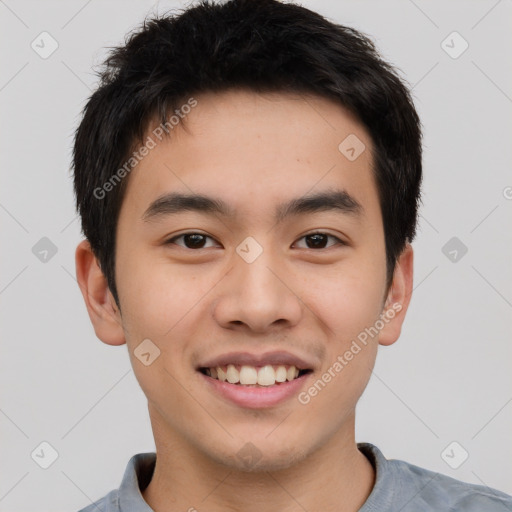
<point x="398" y="298"/>
<point x="100" y="304"/>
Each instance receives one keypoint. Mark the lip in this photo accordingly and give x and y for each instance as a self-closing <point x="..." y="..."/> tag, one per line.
<point x="271" y="358"/>
<point x="256" y="397"/>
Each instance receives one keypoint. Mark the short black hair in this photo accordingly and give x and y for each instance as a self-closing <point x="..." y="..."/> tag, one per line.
<point x="260" y="45"/>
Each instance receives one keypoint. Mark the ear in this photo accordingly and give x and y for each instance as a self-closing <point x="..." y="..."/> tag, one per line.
<point x="398" y="298"/>
<point x="101" y="306"/>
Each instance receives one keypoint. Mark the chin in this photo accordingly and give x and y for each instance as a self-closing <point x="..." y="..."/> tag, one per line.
<point x="256" y="458"/>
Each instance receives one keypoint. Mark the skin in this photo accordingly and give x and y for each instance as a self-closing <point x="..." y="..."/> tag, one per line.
<point x="253" y="151"/>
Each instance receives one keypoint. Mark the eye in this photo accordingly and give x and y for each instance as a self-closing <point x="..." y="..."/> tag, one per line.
<point x="194" y="240"/>
<point x="191" y="240"/>
<point x="319" y="240"/>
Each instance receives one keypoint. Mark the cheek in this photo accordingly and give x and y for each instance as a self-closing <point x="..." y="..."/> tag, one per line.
<point x="351" y="351"/>
<point x="347" y="299"/>
<point x="160" y="306"/>
<point x="349" y="303"/>
<point x="165" y="305"/>
<point x="154" y="297"/>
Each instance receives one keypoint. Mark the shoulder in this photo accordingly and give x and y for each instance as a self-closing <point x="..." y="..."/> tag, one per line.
<point x="441" y="492"/>
<point x="137" y="476"/>
<point x="415" y="488"/>
<point x="109" y="503"/>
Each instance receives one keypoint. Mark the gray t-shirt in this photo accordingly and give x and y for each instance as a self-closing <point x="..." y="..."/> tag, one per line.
<point x="399" y="487"/>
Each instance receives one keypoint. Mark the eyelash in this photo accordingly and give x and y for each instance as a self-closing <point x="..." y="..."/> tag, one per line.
<point x="173" y="239"/>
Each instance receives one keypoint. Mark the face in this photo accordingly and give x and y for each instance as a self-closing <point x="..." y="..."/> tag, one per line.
<point x="277" y="270"/>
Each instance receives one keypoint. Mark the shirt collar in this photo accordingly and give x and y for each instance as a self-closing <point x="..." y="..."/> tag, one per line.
<point x="382" y="496"/>
<point x="137" y="476"/>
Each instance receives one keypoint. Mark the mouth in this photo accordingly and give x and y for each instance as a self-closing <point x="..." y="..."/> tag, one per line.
<point x="255" y="376"/>
<point x="256" y="381"/>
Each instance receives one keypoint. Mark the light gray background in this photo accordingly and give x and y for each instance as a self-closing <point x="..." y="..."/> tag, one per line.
<point x="447" y="379"/>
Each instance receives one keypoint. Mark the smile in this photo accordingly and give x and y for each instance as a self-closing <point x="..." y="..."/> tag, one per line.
<point x="254" y="376"/>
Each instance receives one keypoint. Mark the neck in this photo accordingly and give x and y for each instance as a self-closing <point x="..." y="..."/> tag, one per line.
<point x="335" y="477"/>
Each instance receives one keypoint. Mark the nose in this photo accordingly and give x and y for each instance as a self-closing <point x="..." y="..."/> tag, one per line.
<point x="260" y="296"/>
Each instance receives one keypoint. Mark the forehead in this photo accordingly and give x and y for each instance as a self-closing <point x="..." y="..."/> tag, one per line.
<point x="252" y="149"/>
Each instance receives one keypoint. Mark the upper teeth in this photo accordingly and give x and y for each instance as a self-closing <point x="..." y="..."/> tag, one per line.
<point x="264" y="376"/>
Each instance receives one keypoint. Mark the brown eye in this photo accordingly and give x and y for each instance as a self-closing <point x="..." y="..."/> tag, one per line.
<point x="191" y="240"/>
<point x="320" y="240"/>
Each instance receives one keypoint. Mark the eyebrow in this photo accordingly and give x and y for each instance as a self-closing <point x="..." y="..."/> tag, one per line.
<point x="330" y="200"/>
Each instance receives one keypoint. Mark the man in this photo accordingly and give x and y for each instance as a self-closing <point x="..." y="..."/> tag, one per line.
<point x="248" y="177"/>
